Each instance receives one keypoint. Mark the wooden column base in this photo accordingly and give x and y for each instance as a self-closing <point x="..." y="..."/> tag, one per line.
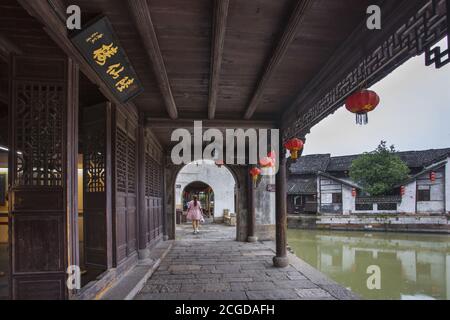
<point x="252" y="239"/>
<point x="280" y="262"/>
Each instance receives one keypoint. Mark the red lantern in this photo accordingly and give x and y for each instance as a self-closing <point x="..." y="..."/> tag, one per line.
<point x="255" y="173"/>
<point x="354" y="192"/>
<point x="294" y="146"/>
<point x="402" y="190"/>
<point x="362" y="102"/>
<point x="266" y="162"/>
<point x="432" y="176"/>
<point x="269" y="161"/>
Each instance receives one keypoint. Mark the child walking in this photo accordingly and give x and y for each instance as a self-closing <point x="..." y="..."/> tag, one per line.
<point x="195" y="213"/>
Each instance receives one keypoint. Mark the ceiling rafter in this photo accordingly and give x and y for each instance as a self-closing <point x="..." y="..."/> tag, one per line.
<point x="218" y="40"/>
<point x="142" y="19"/>
<point x="346" y="60"/>
<point x="278" y="54"/>
<point x="162" y="123"/>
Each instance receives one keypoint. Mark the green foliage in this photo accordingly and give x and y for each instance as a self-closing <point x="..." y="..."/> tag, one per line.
<point x="379" y="171"/>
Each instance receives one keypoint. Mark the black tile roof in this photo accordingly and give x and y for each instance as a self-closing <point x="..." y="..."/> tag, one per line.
<point x="312" y="164"/>
<point x="341" y="163"/>
<point x="302" y="186"/>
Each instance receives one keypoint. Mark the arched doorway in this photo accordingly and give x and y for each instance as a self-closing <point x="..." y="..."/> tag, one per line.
<point x="205" y="195"/>
<point x="215" y="185"/>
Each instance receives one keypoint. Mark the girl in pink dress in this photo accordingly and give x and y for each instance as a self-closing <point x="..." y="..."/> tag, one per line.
<point x="195" y="213"/>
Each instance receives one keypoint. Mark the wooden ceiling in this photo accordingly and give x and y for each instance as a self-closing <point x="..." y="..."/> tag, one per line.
<point x="217" y="59"/>
<point x="185" y="33"/>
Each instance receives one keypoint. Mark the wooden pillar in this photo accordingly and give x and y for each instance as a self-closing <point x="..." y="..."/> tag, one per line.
<point x="252" y="213"/>
<point x="143" y="217"/>
<point x="164" y="208"/>
<point x="73" y="250"/>
<point x="281" y="260"/>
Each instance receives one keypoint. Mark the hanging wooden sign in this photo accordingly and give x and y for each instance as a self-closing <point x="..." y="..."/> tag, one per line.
<point x="100" y="47"/>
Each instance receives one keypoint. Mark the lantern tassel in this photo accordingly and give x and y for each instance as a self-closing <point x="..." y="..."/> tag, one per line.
<point x="362" y="118"/>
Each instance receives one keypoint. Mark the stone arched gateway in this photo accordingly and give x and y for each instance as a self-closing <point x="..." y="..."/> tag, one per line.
<point x="220" y="179"/>
<point x="265" y="203"/>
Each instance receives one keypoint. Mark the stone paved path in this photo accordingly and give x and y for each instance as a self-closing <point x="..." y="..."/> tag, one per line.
<point x="211" y="266"/>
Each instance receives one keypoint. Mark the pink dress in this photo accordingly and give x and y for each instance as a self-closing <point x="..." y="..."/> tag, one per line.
<point x="194" y="212"/>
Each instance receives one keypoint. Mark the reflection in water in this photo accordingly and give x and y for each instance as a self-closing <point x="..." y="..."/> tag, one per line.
<point x="413" y="266"/>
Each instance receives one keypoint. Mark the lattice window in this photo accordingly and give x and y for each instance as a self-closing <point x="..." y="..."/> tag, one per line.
<point x="125" y="162"/>
<point x="153" y="178"/>
<point x="121" y="160"/>
<point x="148" y="177"/>
<point x="38" y="123"/>
<point x="94" y="160"/>
<point x="387" y="206"/>
<point x="131" y="166"/>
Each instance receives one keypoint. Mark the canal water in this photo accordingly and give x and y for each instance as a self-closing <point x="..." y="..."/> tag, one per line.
<point x="411" y="266"/>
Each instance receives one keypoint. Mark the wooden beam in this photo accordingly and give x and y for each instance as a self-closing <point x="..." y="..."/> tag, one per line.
<point x="219" y="30"/>
<point x="281" y="260"/>
<point x="143" y="21"/>
<point x="159" y="123"/>
<point x="278" y="54"/>
<point x="345" y="60"/>
<point x="50" y="17"/>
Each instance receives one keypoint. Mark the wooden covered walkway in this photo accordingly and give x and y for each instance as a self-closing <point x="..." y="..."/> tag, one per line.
<point x="212" y="266"/>
<point x="88" y="115"/>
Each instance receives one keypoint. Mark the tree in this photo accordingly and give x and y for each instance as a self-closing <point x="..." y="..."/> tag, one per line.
<point x="379" y="171"/>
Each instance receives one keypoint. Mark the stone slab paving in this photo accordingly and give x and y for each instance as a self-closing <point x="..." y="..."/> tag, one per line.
<point x="212" y="266"/>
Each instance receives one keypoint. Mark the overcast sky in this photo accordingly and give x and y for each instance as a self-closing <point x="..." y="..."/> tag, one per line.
<point x="414" y="114"/>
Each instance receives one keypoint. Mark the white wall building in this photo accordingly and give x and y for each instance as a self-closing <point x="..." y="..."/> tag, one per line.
<point x="427" y="191"/>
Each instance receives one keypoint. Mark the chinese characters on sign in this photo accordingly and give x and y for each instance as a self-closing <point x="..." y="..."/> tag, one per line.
<point x="102" y="50"/>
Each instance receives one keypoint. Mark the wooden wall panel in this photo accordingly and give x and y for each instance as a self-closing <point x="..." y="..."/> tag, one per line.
<point x="38" y="218"/>
<point x="153" y="190"/>
<point x="125" y="152"/>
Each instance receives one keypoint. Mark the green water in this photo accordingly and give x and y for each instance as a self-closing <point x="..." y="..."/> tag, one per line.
<point x="412" y="266"/>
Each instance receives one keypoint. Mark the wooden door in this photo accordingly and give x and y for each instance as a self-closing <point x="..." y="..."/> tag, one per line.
<point x="38" y="220"/>
<point x="94" y="149"/>
<point x="125" y="172"/>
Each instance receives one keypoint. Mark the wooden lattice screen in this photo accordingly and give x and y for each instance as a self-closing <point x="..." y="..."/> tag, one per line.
<point x="153" y="191"/>
<point x="126" y="184"/>
<point x="38" y="117"/>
